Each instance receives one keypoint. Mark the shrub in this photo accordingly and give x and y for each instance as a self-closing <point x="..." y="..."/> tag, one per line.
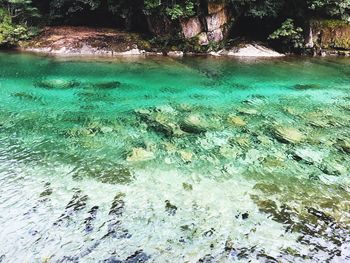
<point x="288" y="35"/>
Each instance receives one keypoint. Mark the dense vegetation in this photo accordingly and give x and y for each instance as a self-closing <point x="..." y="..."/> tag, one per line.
<point x="276" y="19"/>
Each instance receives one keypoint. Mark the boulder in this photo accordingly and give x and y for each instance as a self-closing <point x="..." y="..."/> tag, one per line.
<point x="320" y="123"/>
<point x="248" y="111"/>
<point x="106" y="129"/>
<point x="311" y="86"/>
<point x="194" y="123"/>
<point x="308" y="155"/>
<point x="332" y="167"/>
<point x="175" y="53"/>
<point x="236" y="121"/>
<point x="57" y="84"/>
<point x="166" y="126"/>
<point x="253" y="50"/>
<point x="344" y="145"/>
<point x="162" y="120"/>
<point x="288" y="135"/>
<point x="186" y="156"/>
<point x="106" y="85"/>
<point x="140" y="155"/>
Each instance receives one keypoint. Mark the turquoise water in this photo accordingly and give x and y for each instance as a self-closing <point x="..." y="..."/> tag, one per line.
<point x="174" y="160"/>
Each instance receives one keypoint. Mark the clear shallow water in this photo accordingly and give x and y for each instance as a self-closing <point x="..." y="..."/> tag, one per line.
<point x="162" y="160"/>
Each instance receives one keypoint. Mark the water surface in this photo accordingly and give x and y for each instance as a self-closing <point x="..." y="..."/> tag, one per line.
<point x="164" y="160"/>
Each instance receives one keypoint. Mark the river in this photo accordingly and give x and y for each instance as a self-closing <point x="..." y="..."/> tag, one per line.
<point x="174" y="160"/>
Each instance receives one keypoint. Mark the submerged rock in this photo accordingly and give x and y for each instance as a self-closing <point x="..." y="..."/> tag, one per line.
<point x="161" y="119"/>
<point x="170" y="208"/>
<point x="343" y="144"/>
<point x="140" y="155"/>
<point x="308" y="155"/>
<point x="118" y="205"/>
<point x="91" y="129"/>
<point x="323" y="119"/>
<point x="47" y="192"/>
<point x="77" y="203"/>
<point x="119" y="175"/>
<point x="292" y="111"/>
<point x="264" y="140"/>
<point x="306" y="86"/>
<point x="229" y="152"/>
<point x="106" y="129"/>
<point x="88" y="221"/>
<point x="138" y="257"/>
<point x="242" y="140"/>
<point x="57" y="84"/>
<point x="255" y="100"/>
<point x="187" y="186"/>
<point x="186" y="156"/>
<point x="288" y="135"/>
<point x="332" y="167"/>
<point x="320" y="123"/>
<point x="79" y="132"/>
<point x="248" y="111"/>
<point x="106" y="85"/>
<point x="236" y="121"/>
<point x="26" y="96"/>
<point x="111" y="174"/>
<point x="194" y="123"/>
<point x="166" y="126"/>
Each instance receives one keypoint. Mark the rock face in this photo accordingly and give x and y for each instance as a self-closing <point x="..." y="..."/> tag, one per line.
<point x="329" y="37"/>
<point x="216" y="20"/>
<point x="211" y="24"/>
<point x="211" y="27"/>
<point x="191" y="27"/>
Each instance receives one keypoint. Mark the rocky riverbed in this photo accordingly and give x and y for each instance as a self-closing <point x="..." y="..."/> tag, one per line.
<point x="167" y="160"/>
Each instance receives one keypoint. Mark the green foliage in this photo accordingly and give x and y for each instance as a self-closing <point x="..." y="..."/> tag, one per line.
<point x="60" y="9"/>
<point x="10" y="31"/>
<point x="258" y="8"/>
<point x="152" y="4"/>
<point x="20" y="11"/>
<point x="331" y="8"/>
<point x="289" y="35"/>
<point x="181" y="11"/>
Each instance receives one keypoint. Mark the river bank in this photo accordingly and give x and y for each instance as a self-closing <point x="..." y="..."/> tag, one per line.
<point x="85" y="41"/>
<point x="323" y="40"/>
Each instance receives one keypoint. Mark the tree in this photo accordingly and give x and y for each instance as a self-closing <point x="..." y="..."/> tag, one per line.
<point x="15" y="16"/>
<point x="331" y="8"/>
<point x="20" y="11"/>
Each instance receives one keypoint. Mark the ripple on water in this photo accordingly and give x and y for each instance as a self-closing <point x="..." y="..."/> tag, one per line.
<point x="174" y="161"/>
